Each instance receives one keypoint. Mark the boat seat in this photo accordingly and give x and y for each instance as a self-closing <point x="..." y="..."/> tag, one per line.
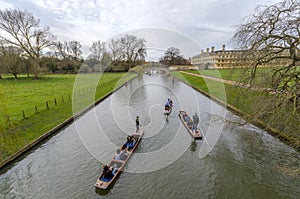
<point x="106" y="179"/>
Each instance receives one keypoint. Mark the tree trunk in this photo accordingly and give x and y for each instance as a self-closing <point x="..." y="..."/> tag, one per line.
<point x="35" y="69"/>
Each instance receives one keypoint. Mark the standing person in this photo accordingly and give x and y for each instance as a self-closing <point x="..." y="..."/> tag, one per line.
<point x="167" y="105"/>
<point x="171" y="103"/>
<point x="195" y="122"/>
<point x="137" y="124"/>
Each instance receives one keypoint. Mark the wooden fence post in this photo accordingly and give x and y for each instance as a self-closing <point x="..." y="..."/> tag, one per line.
<point x="47" y="105"/>
<point x="36" y="110"/>
<point x="55" y="102"/>
<point x="24" y="117"/>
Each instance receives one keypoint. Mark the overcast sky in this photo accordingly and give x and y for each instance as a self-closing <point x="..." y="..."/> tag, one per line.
<point x="186" y="24"/>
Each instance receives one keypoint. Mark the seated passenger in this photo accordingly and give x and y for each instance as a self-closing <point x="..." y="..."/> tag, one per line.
<point x="190" y="122"/>
<point x="107" y="172"/>
<point x="186" y="118"/>
<point x="129" y="144"/>
<point x="121" y="154"/>
<point x="125" y="144"/>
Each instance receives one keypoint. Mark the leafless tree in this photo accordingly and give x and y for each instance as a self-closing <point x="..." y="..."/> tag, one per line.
<point x="128" y="48"/>
<point x="60" y="49"/>
<point x="23" y="31"/>
<point x="271" y="36"/>
<point x="97" y="50"/>
<point x="74" y="49"/>
<point x="116" y="49"/>
<point x="133" y="48"/>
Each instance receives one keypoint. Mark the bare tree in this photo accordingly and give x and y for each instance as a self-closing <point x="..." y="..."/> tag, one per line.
<point x="23" y="31"/>
<point x="116" y="49"/>
<point x="97" y="50"/>
<point x="60" y="49"/>
<point x="74" y="49"/>
<point x="272" y="35"/>
<point x="133" y="48"/>
<point x="129" y="49"/>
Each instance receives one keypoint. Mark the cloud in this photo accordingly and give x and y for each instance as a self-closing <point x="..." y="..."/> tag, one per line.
<point x="5" y="5"/>
<point x="207" y="23"/>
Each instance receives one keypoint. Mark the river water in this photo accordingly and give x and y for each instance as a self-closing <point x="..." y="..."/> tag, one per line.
<point x="231" y="162"/>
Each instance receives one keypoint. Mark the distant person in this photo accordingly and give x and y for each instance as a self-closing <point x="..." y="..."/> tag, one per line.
<point x="137" y="124"/>
<point x="167" y="105"/>
<point x="170" y="102"/>
<point x="195" y="122"/>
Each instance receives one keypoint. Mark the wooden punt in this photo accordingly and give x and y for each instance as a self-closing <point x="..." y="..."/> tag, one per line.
<point x="104" y="183"/>
<point x="188" y="125"/>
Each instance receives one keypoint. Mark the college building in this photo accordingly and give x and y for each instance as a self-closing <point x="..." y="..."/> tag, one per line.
<point x="218" y="59"/>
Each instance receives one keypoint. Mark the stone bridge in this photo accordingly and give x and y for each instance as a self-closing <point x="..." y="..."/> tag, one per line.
<point x="156" y="68"/>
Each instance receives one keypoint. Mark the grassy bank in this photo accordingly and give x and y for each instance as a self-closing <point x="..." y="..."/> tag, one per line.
<point x="237" y="74"/>
<point x="26" y="94"/>
<point x="248" y="102"/>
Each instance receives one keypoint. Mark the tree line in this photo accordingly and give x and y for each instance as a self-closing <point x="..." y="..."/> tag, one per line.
<point x="27" y="47"/>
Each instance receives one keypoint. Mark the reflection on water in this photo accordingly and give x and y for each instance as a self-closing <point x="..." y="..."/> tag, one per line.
<point x="245" y="163"/>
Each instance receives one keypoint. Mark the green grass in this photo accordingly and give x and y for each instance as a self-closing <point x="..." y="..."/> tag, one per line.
<point x="228" y="74"/>
<point x="251" y="102"/>
<point x="227" y="93"/>
<point x="25" y="93"/>
<point x="236" y="74"/>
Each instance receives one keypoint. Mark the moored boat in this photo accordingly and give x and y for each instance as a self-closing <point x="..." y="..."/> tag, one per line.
<point x="117" y="165"/>
<point x="188" y="123"/>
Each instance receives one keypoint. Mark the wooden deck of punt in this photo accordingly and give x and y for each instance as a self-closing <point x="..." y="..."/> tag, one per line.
<point x="197" y="134"/>
<point x="119" y="164"/>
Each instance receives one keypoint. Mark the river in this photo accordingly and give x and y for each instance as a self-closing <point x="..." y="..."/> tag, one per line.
<point x="242" y="161"/>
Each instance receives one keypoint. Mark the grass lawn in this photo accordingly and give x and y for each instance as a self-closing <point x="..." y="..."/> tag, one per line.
<point x="25" y="93"/>
<point x="249" y="101"/>
<point x="237" y="74"/>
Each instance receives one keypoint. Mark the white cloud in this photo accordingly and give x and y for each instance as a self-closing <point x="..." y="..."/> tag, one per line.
<point x="206" y="22"/>
<point x="5" y="5"/>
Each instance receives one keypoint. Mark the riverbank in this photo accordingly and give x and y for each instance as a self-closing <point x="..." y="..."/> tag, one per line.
<point x="242" y="101"/>
<point x="22" y="135"/>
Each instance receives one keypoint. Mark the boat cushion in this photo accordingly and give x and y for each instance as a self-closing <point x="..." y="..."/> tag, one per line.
<point x="106" y="179"/>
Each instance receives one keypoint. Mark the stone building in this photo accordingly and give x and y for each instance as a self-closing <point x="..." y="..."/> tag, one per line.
<point x="226" y="59"/>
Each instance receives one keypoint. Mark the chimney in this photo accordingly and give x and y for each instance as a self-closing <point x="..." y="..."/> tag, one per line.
<point x="202" y="51"/>
<point x="207" y="50"/>
<point x="223" y="47"/>
<point x="212" y="49"/>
